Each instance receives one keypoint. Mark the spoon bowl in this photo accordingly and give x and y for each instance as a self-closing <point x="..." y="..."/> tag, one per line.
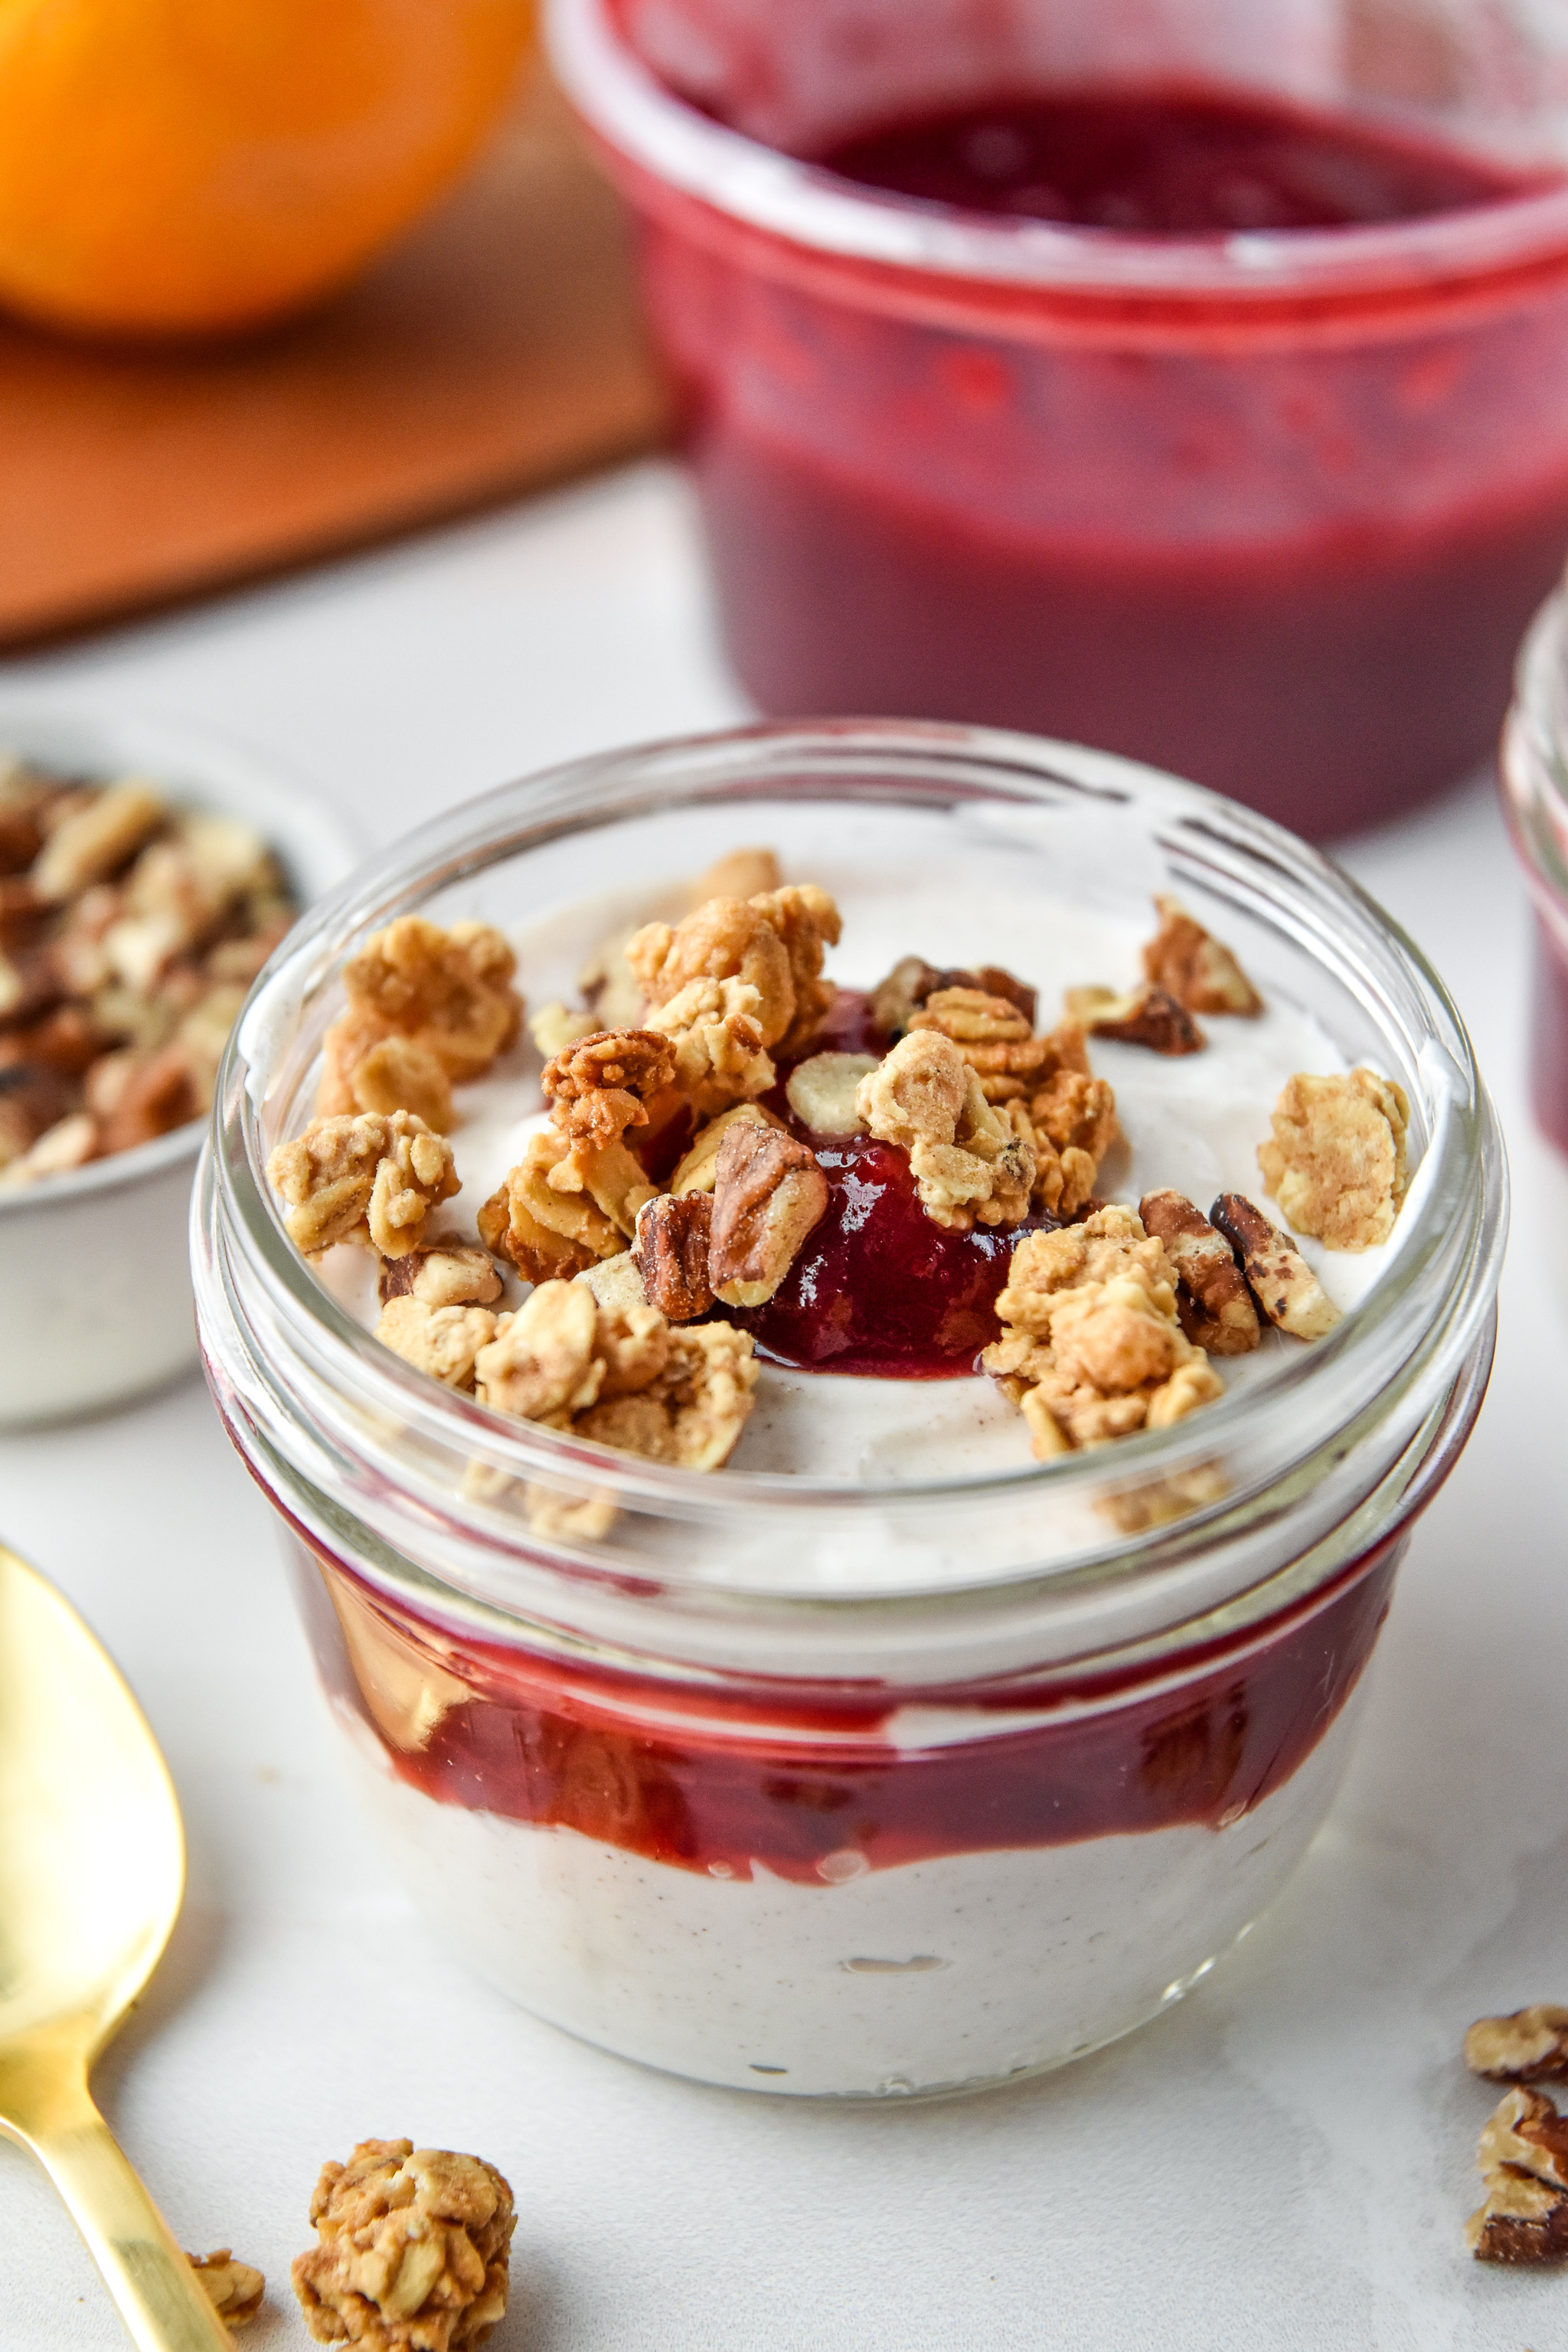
<point x="91" y="1873"/>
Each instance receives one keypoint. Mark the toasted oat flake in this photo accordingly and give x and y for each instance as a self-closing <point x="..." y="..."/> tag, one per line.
<point x="1337" y="1161"/>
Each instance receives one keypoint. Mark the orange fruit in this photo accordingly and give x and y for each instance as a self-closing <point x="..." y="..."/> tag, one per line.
<point x="184" y="165"/>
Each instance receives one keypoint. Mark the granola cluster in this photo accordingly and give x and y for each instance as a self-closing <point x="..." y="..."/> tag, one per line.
<point x="413" y="2249"/>
<point x="234" y="2289"/>
<point x="1337" y="1160"/>
<point x="1522" y="2153"/>
<point x="428" y="1008"/>
<point x="130" y="932"/>
<point x="1092" y="1346"/>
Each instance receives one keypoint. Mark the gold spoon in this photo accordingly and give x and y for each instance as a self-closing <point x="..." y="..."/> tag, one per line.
<point x="92" y="1867"/>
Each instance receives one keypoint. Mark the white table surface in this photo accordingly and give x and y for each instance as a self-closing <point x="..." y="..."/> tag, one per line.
<point x="1284" y="2161"/>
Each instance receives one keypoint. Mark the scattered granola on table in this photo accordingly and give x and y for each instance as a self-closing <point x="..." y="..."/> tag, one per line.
<point x="1531" y="2045"/>
<point x="413" y="2250"/>
<point x="234" y="2289"/>
<point x="131" y="928"/>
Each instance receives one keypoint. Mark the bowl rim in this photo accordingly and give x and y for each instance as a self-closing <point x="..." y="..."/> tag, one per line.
<point x="640" y="119"/>
<point x="303" y="826"/>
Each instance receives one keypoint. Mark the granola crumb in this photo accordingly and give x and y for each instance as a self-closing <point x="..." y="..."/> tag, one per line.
<point x="599" y="1087"/>
<point x="1529" y="2045"/>
<point x="994" y="1037"/>
<point x="1141" y="1016"/>
<point x="1194" y="967"/>
<point x="370" y="1178"/>
<point x="234" y="2289"/>
<point x="413" y="2250"/>
<point x="625" y="1377"/>
<point x="442" y="1341"/>
<point x="1092" y="1348"/>
<point x="968" y="1160"/>
<point x="449" y="988"/>
<point x="771" y="942"/>
<point x="556" y="1028"/>
<point x="444" y="1271"/>
<point x="562" y="1206"/>
<point x="740" y="874"/>
<point x="1283" y="1284"/>
<point x="1337" y="1163"/>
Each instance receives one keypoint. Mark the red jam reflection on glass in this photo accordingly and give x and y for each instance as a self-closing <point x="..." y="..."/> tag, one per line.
<point x="786" y="1780"/>
<point x="1286" y="546"/>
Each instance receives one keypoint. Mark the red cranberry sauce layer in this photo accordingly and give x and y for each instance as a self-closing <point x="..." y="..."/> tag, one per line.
<point x="809" y="1787"/>
<point x="880" y="1287"/>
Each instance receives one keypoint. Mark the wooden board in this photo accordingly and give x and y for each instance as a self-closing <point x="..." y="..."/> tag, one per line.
<point x="496" y="348"/>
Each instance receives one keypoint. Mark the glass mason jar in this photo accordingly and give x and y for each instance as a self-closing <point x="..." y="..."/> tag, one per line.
<point x="1271" y="508"/>
<point x="824" y="1781"/>
<point x="1534" y="770"/>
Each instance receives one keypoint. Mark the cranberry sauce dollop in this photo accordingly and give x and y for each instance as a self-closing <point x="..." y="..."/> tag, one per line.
<point x="880" y="1287"/>
<point x="735" y="1783"/>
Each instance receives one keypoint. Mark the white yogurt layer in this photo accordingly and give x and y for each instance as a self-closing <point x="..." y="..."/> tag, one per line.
<point x="930" y="1976"/>
<point x="1193" y="1123"/>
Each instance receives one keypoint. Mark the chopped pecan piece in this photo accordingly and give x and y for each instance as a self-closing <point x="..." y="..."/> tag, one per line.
<point x="1337" y="1163"/>
<point x="450" y="990"/>
<point x="1212" y="1299"/>
<point x="413" y="2250"/>
<point x="967" y="1160"/>
<point x="671" y="1254"/>
<point x="1092" y="1348"/>
<point x="346" y="1177"/>
<point x="822" y="1092"/>
<point x="697" y="1168"/>
<point x="1197" y="970"/>
<point x="97" y="839"/>
<point x="1143" y="1016"/>
<point x="1529" y="2046"/>
<point x="768" y="1193"/>
<point x="234" y="2289"/>
<point x="69" y="1143"/>
<point x="598" y="1088"/>
<point x="441" y="1340"/>
<point x="913" y="981"/>
<point x="1282" y="1282"/>
<point x="1522" y="2221"/>
<point x="1525" y="2132"/>
<point x="443" y="1273"/>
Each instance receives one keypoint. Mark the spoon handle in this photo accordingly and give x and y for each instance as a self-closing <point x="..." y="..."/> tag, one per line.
<point x="158" y="2295"/>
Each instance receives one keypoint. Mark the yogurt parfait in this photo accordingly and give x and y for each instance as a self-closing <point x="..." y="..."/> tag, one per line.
<point x="848" y="1328"/>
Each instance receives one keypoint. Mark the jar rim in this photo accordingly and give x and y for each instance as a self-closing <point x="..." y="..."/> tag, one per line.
<point x="1416" y="1324"/>
<point x="641" y="119"/>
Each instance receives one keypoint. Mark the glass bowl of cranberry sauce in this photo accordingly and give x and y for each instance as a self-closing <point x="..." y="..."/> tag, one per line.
<point x="886" y="1759"/>
<point x="1533" y="766"/>
<point x="1190" y="381"/>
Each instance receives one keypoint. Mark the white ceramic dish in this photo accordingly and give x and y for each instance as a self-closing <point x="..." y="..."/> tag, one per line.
<point x="95" y="1293"/>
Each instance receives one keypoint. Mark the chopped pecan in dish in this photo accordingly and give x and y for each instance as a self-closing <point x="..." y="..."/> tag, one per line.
<point x="1197" y="970"/>
<point x="1337" y="1161"/>
<point x="600" y="1085"/>
<point x="1212" y="1299"/>
<point x="1141" y="1016"/>
<point x="1281" y="1281"/>
<point x="1529" y="2045"/>
<point x="913" y="981"/>
<point x="671" y="1254"/>
<point x="769" y="1191"/>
